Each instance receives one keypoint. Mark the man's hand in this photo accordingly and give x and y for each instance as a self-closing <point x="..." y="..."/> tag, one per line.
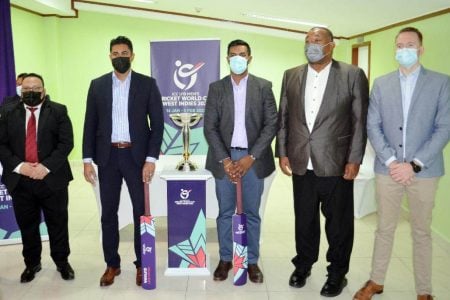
<point x="26" y="169"/>
<point x="285" y="165"/>
<point x="229" y="168"/>
<point x="148" y="171"/>
<point x="39" y="172"/>
<point x="402" y="173"/>
<point x="242" y="166"/>
<point x="351" y="171"/>
<point x="89" y="173"/>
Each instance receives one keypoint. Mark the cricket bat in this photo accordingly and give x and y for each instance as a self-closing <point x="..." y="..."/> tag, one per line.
<point x="148" y="257"/>
<point x="240" y="257"/>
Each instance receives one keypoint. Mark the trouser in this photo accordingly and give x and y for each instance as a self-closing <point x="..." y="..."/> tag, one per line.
<point x="252" y="188"/>
<point x="121" y="166"/>
<point x="332" y="195"/>
<point x="421" y="195"/>
<point x="30" y="198"/>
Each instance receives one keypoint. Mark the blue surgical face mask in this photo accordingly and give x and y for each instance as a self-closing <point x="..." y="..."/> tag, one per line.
<point x="238" y="64"/>
<point x="314" y="52"/>
<point x="407" y="57"/>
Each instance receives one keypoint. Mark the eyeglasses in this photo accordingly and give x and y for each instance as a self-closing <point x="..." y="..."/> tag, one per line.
<point x="32" y="89"/>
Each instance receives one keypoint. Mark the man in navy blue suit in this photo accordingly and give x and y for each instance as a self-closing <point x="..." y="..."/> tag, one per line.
<point x="123" y="132"/>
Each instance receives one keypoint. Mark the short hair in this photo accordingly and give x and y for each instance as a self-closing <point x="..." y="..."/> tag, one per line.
<point x="328" y="31"/>
<point x="411" y="29"/>
<point x="121" y="40"/>
<point x="21" y="75"/>
<point x="34" y="75"/>
<point x="239" y="43"/>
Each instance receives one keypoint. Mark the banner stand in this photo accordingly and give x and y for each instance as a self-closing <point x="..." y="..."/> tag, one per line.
<point x="186" y="222"/>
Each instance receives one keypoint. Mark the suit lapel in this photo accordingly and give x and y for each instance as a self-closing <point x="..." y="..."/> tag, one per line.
<point x="249" y="97"/>
<point x="229" y="97"/>
<point x="132" y="93"/>
<point x="302" y="74"/>
<point x="418" y="88"/>
<point x="43" y="117"/>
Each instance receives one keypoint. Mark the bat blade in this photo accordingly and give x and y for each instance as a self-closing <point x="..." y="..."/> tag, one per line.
<point x="240" y="256"/>
<point x="148" y="245"/>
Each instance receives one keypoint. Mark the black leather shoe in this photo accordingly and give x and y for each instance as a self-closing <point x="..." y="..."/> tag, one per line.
<point x="333" y="287"/>
<point x="298" y="278"/>
<point x="28" y="273"/>
<point x="66" y="271"/>
<point x="221" y="272"/>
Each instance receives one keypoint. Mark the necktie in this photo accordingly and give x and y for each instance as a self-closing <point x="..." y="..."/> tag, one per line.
<point x="31" y="154"/>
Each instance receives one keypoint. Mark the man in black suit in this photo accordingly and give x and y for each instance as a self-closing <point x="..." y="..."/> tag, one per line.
<point x="36" y="138"/>
<point x="15" y="98"/>
<point x="117" y="137"/>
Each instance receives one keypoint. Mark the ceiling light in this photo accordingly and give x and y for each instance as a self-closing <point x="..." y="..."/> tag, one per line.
<point x="145" y="1"/>
<point x="284" y="20"/>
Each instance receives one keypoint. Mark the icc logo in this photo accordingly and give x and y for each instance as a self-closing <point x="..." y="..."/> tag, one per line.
<point x="184" y="194"/>
<point x="146" y="249"/>
<point x="184" y="71"/>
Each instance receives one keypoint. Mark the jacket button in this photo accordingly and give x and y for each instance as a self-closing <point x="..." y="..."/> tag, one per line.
<point x="400" y="145"/>
<point x="401" y="128"/>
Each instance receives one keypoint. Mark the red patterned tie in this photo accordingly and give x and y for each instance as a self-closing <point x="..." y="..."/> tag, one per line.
<point x="31" y="154"/>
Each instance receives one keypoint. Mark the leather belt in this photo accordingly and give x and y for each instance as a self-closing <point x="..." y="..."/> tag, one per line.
<point x="121" y="145"/>
<point x="238" y="148"/>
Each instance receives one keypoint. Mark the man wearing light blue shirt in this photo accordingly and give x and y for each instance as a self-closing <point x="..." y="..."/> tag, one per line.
<point x="408" y="125"/>
<point x="123" y="132"/>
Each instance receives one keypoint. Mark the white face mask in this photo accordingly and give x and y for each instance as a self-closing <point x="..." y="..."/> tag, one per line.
<point x="238" y="64"/>
<point x="407" y="57"/>
<point x="19" y="90"/>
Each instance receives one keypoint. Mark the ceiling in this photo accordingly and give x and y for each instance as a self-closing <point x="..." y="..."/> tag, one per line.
<point x="348" y="19"/>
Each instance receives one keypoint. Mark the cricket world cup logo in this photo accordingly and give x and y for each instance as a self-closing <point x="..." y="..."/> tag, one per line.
<point x="184" y="194"/>
<point x="184" y="71"/>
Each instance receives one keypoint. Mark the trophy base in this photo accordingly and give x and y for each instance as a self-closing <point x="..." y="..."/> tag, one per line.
<point x="186" y="166"/>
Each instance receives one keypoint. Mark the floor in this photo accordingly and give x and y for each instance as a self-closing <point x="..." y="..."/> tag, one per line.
<point x="276" y="251"/>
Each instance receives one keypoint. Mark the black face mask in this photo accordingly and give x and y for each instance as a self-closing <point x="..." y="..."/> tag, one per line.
<point x="121" y="64"/>
<point x="32" y="98"/>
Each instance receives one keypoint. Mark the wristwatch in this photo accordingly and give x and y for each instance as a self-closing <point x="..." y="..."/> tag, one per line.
<point x="416" y="168"/>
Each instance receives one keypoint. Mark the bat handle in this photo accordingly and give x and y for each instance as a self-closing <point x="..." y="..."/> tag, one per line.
<point x="239" y="196"/>
<point x="147" y="198"/>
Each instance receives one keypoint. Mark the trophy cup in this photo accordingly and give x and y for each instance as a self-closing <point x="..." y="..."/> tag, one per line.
<point x="185" y="121"/>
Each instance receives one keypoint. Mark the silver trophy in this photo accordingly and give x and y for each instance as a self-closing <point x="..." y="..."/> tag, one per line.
<point x="185" y="121"/>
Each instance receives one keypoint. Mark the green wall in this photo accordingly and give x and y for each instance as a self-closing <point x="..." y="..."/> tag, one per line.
<point x="69" y="52"/>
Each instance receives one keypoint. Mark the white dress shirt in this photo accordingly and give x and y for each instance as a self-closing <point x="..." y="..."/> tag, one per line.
<point x="316" y="83"/>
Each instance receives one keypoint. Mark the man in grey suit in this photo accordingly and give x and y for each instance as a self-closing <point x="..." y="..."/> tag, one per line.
<point x="408" y="125"/>
<point x="320" y="143"/>
<point x="240" y="123"/>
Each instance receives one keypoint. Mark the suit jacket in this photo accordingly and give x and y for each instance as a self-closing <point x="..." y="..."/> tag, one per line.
<point x="54" y="139"/>
<point x="260" y="123"/>
<point x="144" y="101"/>
<point x="338" y="136"/>
<point x="428" y="125"/>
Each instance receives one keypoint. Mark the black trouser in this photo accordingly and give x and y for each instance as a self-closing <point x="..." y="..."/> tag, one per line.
<point x="121" y="166"/>
<point x="30" y="198"/>
<point x="334" y="197"/>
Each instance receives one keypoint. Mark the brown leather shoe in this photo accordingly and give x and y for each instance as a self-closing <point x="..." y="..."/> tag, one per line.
<point x="424" y="297"/>
<point x="108" y="276"/>
<point x="138" y="276"/>
<point x="221" y="272"/>
<point x="254" y="273"/>
<point x="368" y="290"/>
